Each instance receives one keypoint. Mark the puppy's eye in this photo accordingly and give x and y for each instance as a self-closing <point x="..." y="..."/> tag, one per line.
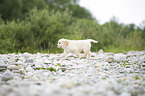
<point x="59" y="42"/>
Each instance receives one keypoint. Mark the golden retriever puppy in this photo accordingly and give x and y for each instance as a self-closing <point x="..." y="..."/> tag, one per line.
<point x="76" y="46"/>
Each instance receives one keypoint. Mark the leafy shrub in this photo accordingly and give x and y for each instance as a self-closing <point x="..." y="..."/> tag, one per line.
<point x="39" y="31"/>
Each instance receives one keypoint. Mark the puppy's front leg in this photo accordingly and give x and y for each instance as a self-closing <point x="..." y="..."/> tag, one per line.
<point x="64" y="54"/>
<point x="77" y="53"/>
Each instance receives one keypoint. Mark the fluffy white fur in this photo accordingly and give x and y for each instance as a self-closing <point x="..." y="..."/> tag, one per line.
<point x="76" y="46"/>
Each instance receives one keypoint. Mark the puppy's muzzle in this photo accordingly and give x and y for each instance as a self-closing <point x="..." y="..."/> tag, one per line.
<point x="57" y="46"/>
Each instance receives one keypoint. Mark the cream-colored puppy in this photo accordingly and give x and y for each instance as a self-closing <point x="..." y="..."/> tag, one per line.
<point x="76" y="46"/>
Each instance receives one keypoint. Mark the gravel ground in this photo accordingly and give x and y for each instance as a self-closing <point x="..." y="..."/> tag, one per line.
<point x="105" y="74"/>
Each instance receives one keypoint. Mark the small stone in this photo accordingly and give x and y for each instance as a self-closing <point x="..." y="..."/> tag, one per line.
<point x="106" y="69"/>
<point x="68" y="84"/>
<point x="110" y="59"/>
<point x="122" y="71"/>
<point x="63" y="69"/>
<point x="28" y="75"/>
<point x="2" y="65"/>
<point x="38" y="66"/>
<point x="20" y="66"/>
<point x="47" y="62"/>
<point x="139" y="82"/>
<point x="29" y="68"/>
<point x="52" y="79"/>
<point x="2" y="62"/>
<point x="18" y="63"/>
<point x="15" y="71"/>
<point x="7" y="76"/>
<point x="21" y="71"/>
<point x="98" y="65"/>
<point x="125" y="94"/>
<point x="63" y="65"/>
<point x="13" y="67"/>
<point x="2" y="69"/>
<point x="110" y="93"/>
<point x="29" y="60"/>
<point x="123" y="78"/>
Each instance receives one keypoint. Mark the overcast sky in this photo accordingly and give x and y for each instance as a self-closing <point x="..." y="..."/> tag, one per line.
<point x="126" y="11"/>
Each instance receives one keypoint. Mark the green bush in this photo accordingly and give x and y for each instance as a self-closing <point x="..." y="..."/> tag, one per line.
<point x="47" y="27"/>
<point x="41" y="30"/>
<point x="112" y="36"/>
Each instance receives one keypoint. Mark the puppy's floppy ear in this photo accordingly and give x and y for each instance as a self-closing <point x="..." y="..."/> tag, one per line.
<point x="66" y="43"/>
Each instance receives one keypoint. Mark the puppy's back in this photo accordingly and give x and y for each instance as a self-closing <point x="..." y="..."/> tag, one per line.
<point x="83" y="45"/>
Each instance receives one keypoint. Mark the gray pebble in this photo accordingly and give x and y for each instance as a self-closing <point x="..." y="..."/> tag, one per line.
<point x="7" y="76"/>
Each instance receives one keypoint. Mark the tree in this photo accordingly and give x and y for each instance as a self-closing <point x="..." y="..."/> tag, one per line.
<point x="18" y="9"/>
<point x="10" y="9"/>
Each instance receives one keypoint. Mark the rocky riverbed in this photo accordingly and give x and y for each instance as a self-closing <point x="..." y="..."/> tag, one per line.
<point x="105" y="74"/>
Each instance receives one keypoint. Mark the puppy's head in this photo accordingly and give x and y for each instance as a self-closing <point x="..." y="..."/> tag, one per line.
<point x="62" y="43"/>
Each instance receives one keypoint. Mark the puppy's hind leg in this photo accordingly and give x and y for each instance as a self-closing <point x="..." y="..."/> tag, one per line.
<point x="77" y="53"/>
<point x="85" y="54"/>
<point x="89" y="55"/>
<point x="87" y="50"/>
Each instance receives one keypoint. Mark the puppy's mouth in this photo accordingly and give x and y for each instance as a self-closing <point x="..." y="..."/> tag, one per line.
<point x="58" y="46"/>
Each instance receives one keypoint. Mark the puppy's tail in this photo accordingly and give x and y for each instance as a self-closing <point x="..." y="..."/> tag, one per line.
<point x="91" y="40"/>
